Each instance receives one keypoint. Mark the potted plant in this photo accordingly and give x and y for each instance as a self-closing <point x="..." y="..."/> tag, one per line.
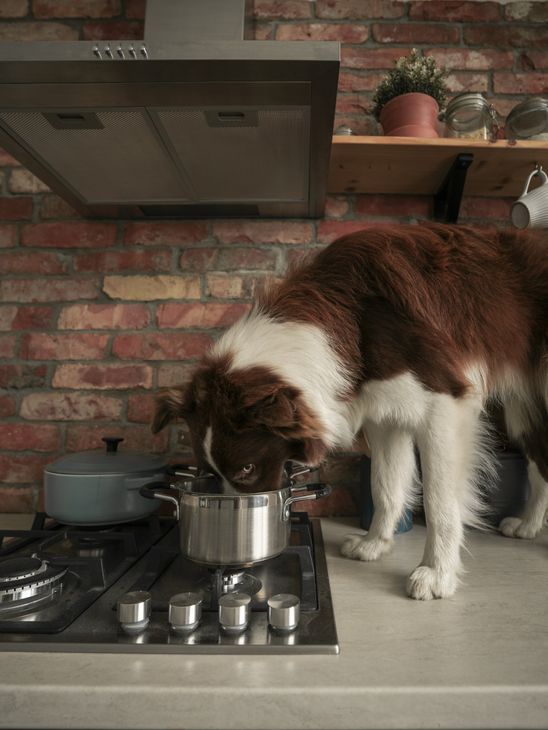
<point x="409" y="98"/>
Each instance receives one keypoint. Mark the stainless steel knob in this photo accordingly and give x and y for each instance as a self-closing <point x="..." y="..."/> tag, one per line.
<point x="185" y="611"/>
<point x="283" y="611"/>
<point x="134" y="611"/>
<point x="234" y="611"/>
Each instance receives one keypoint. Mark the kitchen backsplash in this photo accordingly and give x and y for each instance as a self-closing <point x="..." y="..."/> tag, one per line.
<point x="95" y="315"/>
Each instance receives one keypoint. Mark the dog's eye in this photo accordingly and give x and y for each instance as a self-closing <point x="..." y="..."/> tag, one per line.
<point x="245" y="473"/>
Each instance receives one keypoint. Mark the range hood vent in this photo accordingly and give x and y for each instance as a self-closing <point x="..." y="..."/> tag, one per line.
<point x="194" y="121"/>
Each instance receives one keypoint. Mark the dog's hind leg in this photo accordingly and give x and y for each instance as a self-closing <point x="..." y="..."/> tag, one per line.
<point x="392" y="479"/>
<point x="527" y="422"/>
<point x="448" y="443"/>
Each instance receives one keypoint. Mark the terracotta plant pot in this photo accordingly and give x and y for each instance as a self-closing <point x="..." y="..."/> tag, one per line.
<point x="410" y="115"/>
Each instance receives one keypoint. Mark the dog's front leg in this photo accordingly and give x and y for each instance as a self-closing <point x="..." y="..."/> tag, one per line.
<point x="392" y="479"/>
<point x="445" y="442"/>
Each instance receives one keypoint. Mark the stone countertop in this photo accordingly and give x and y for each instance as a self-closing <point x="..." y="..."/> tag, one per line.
<point x="478" y="660"/>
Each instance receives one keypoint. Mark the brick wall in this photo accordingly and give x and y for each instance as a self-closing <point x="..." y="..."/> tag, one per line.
<point x="94" y="315"/>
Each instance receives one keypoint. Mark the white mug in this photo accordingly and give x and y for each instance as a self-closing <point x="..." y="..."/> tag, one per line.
<point x="531" y="209"/>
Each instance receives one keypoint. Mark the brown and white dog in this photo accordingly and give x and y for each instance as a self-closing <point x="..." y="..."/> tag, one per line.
<point x="404" y="331"/>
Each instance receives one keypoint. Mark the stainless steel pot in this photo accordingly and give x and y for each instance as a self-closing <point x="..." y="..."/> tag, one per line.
<point x="234" y="530"/>
<point x="101" y="487"/>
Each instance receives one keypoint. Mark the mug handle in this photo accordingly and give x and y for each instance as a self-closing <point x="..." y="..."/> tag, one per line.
<point x="531" y="176"/>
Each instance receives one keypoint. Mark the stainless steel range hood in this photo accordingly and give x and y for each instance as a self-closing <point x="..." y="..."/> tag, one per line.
<point x="194" y="121"/>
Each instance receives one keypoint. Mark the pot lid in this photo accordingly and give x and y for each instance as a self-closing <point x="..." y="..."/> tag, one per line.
<point x="109" y="461"/>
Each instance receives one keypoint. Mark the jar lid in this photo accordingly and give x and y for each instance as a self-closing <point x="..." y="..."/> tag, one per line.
<point x="467" y="100"/>
<point x="106" y="462"/>
<point x="528" y="118"/>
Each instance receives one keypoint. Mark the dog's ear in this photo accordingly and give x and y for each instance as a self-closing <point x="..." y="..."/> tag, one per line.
<point x="170" y="404"/>
<point x="281" y="409"/>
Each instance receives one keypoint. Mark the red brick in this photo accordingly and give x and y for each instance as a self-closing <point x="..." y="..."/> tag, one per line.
<point x="22" y="469"/>
<point x="162" y="234"/>
<point x="135" y="9"/>
<point x="506" y="36"/>
<point x="227" y="259"/>
<point x="76" y="8"/>
<point x="6" y="158"/>
<point x="455" y="11"/>
<point x="114" y="30"/>
<point x="490" y="208"/>
<point x="278" y="9"/>
<point x="174" y="374"/>
<point x="394" y="205"/>
<point x="533" y="60"/>
<point x="349" y="82"/>
<point x="525" y="83"/>
<point x="342" y="32"/>
<point x="198" y="314"/>
<point x="102" y="377"/>
<point x="8" y="346"/>
<point x="51" y="206"/>
<point x="141" y="407"/>
<point x="415" y="33"/>
<point x="230" y="286"/>
<point x="353" y="103"/>
<point x="37" y="263"/>
<point x="7" y="407"/>
<point x="13" y="317"/>
<point x="23" y="376"/>
<point x="69" y="234"/>
<point x="298" y="256"/>
<point x="263" y="232"/>
<point x="47" y="290"/>
<point x="263" y="31"/>
<point x="336" y="206"/>
<point x="30" y="437"/>
<point x="14" y="8"/>
<point x="8" y="235"/>
<point x="528" y="12"/>
<point x="136" y="438"/>
<point x="149" y="288"/>
<point x="15" y="209"/>
<point x="457" y="82"/>
<point x="16" y="499"/>
<point x="73" y="406"/>
<point x="359" y="9"/>
<point x="159" y="346"/>
<point x="46" y="31"/>
<point x="124" y="261"/>
<point x="371" y="58"/>
<point x="328" y="231"/>
<point x="104" y="316"/>
<point x="23" y="181"/>
<point x="42" y="346"/>
<point x="483" y="59"/>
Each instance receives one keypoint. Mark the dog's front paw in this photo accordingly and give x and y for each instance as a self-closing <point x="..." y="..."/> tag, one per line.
<point x="425" y="583"/>
<point x="516" y="527"/>
<point x="366" y="548"/>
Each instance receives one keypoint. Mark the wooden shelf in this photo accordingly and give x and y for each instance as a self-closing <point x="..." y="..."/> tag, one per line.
<point x="413" y="166"/>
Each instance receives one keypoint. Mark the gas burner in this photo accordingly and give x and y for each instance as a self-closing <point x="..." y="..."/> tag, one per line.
<point x="28" y="581"/>
<point x="230" y="581"/>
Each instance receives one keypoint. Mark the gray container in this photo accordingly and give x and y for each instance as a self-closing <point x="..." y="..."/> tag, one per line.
<point x="101" y="487"/>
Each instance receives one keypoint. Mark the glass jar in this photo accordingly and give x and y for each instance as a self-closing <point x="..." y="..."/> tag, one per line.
<point x="470" y="115"/>
<point x="528" y="120"/>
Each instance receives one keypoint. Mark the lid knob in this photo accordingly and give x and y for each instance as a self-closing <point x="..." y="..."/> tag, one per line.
<point x="112" y="443"/>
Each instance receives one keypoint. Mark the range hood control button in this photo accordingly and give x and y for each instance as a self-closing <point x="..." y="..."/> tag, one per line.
<point x="234" y="611"/>
<point x="185" y="611"/>
<point x="97" y="53"/>
<point x="134" y="611"/>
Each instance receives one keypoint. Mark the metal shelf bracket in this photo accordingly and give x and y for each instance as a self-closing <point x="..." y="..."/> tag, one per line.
<point x="448" y="198"/>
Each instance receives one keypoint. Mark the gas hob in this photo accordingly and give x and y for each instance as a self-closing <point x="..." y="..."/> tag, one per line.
<point x="60" y="589"/>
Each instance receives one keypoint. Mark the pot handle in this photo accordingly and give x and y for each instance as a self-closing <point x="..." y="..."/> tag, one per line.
<point x="156" y="490"/>
<point x="316" y="491"/>
<point x="182" y="470"/>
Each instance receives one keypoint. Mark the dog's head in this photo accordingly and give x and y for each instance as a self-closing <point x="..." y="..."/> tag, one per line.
<point x="244" y="424"/>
